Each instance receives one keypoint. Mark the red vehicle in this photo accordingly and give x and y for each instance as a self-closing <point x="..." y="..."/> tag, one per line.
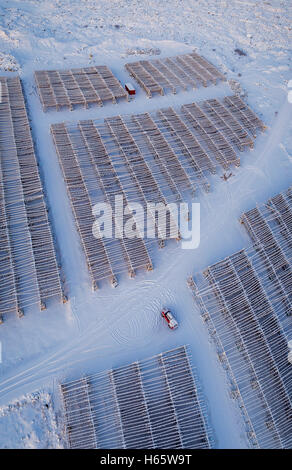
<point x="171" y="321"/>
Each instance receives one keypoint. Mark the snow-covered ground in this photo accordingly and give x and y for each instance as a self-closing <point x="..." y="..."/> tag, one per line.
<point x="96" y="331"/>
<point x="33" y="421"/>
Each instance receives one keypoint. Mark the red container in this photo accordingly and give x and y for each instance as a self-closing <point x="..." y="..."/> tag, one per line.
<point x="130" y="89"/>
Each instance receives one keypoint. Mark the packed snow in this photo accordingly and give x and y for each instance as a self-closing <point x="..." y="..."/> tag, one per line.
<point x="249" y="42"/>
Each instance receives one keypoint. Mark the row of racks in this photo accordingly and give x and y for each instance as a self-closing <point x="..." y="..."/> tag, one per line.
<point x="246" y="302"/>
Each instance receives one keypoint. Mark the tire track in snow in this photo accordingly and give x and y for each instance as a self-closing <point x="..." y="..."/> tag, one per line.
<point x="142" y="325"/>
<point x="92" y="338"/>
